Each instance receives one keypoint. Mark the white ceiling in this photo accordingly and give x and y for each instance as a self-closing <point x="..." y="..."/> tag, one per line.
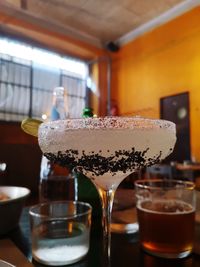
<point x="102" y="21"/>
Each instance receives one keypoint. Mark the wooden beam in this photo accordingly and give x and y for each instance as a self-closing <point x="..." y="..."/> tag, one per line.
<point x="47" y="33"/>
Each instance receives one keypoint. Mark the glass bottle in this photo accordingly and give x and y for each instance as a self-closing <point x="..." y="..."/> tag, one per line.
<point x="59" y="109"/>
<point x="87" y="112"/>
<point x="56" y="182"/>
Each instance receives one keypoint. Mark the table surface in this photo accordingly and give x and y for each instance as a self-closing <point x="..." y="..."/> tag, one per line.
<point x="125" y="250"/>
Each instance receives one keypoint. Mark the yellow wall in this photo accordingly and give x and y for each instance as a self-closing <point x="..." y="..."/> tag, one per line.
<point x="99" y="98"/>
<point x="161" y="63"/>
<point x="94" y="95"/>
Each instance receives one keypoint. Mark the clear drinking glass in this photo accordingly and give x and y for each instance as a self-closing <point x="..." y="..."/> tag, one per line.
<point x="107" y="150"/>
<point x="60" y="232"/>
<point x="166" y="216"/>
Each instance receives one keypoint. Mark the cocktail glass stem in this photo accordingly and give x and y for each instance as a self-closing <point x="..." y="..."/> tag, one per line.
<point x="107" y="197"/>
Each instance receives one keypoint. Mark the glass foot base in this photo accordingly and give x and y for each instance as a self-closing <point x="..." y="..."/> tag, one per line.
<point x="169" y="255"/>
<point x="129" y="228"/>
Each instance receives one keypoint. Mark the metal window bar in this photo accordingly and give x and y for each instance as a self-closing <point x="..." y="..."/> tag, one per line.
<point x="76" y="89"/>
<point x="23" y="91"/>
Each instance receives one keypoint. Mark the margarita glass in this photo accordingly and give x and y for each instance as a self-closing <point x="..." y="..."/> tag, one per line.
<point x="107" y="150"/>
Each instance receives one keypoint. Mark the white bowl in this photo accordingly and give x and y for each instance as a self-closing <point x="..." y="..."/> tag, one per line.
<point x="11" y="208"/>
<point x="5" y="264"/>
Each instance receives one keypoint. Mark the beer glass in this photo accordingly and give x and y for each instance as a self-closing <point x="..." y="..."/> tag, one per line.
<point x="166" y="216"/>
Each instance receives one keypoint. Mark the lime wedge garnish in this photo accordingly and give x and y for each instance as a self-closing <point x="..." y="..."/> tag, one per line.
<point x="30" y="126"/>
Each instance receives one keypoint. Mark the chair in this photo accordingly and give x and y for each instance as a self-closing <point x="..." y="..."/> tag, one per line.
<point x="187" y="170"/>
<point x="159" y="171"/>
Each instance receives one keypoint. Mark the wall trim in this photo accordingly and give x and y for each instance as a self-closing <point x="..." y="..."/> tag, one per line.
<point x="158" y="21"/>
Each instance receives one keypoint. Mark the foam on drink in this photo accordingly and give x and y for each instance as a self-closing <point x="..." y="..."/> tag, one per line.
<point x="170" y="207"/>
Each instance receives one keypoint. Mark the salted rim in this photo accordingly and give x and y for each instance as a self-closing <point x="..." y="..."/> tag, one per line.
<point x="109" y="123"/>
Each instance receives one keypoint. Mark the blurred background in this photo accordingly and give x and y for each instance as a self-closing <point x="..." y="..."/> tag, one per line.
<point x="126" y="58"/>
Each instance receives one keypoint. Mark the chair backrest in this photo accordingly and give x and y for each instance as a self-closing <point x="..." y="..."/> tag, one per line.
<point x="159" y="171"/>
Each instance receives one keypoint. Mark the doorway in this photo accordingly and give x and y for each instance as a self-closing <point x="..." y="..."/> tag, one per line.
<point x="176" y="109"/>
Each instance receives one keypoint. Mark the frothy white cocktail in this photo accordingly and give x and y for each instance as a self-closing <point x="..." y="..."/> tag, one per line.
<point x="107" y="149"/>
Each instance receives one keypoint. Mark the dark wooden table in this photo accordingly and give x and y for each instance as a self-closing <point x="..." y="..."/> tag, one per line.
<point x="125" y="250"/>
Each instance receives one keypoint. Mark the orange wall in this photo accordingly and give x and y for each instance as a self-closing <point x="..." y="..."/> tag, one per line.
<point x="161" y="63"/>
<point x="94" y="95"/>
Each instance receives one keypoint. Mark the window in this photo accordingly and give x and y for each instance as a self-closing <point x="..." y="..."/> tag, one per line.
<point x="28" y="76"/>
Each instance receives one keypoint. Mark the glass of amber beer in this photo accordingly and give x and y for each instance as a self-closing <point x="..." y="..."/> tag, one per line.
<point x="166" y="216"/>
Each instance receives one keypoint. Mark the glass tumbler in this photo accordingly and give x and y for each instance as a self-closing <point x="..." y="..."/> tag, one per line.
<point x="166" y="216"/>
<point x="60" y="232"/>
